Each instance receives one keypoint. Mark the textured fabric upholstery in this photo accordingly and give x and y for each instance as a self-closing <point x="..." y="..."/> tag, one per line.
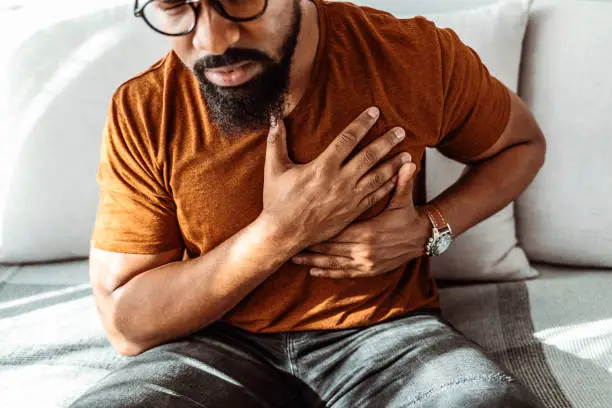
<point x="565" y="216"/>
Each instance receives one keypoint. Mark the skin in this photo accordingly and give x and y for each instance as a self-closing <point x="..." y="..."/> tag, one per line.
<point x="327" y="194"/>
<point x="491" y="181"/>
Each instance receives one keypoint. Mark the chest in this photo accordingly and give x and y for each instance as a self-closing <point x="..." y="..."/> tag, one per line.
<point x="217" y="186"/>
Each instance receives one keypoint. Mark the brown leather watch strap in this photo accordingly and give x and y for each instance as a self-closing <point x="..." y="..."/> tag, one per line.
<point x="436" y="217"/>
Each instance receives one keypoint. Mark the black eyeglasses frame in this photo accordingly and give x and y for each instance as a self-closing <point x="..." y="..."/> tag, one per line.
<point x="195" y="4"/>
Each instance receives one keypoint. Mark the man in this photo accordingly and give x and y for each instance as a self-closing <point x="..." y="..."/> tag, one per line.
<point x="258" y="246"/>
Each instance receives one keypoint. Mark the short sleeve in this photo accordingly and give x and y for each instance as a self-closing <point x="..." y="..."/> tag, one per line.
<point x="476" y="106"/>
<point x="135" y="212"/>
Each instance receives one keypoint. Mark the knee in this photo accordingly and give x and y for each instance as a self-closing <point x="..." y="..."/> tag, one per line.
<point x="478" y="394"/>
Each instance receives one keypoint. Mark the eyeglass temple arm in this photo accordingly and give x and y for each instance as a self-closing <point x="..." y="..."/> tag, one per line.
<point x="138" y="10"/>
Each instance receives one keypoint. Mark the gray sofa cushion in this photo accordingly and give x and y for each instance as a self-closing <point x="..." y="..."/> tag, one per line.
<point x="52" y="345"/>
<point x="554" y="333"/>
<point x="550" y="332"/>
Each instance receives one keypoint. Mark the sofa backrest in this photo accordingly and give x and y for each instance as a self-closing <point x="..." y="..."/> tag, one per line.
<point x="55" y="88"/>
<point x="565" y="216"/>
<point x="57" y="74"/>
<point x="56" y="83"/>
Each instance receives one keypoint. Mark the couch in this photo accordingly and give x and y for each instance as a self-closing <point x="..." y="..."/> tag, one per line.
<point x="548" y="321"/>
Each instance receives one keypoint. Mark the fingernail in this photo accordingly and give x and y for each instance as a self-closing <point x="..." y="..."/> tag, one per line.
<point x="315" y="272"/>
<point x="405" y="157"/>
<point x="296" y="259"/>
<point x="399" y="133"/>
<point x="373" y="112"/>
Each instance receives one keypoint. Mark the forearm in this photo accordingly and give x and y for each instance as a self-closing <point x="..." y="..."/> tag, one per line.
<point x="487" y="187"/>
<point x="180" y="298"/>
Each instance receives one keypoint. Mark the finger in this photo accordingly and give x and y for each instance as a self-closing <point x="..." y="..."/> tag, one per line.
<point x="349" y="138"/>
<point x="353" y="234"/>
<point x="338" y="249"/>
<point x="381" y="174"/>
<point x="370" y="200"/>
<point x="339" y="273"/>
<point x="277" y="157"/>
<point x="324" y="261"/>
<point x="374" y="152"/>
<point x="402" y="196"/>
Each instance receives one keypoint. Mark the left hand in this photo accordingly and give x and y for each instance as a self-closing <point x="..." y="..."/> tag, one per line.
<point x="375" y="246"/>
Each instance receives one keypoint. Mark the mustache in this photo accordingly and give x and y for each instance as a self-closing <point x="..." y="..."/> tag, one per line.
<point x="230" y="57"/>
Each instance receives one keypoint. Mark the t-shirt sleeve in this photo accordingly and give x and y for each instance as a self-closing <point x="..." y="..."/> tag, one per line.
<point x="135" y="212"/>
<point x="476" y="106"/>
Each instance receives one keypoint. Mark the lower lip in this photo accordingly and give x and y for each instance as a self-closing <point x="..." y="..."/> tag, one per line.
<point x="235" y="77"/>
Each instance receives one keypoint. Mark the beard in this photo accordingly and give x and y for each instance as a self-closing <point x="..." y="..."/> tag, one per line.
<point x="250" y="106"/>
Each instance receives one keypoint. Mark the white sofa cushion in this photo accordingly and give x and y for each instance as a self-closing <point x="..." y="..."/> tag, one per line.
<point x="565" y="217"/>
<point x="47" y="197"/>
<point x="490" y="250"/>
<point x="56" y="82"/>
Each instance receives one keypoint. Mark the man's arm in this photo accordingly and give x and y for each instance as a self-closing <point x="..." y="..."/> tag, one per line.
<point x="496" y="177"/>
<point x="491" y="181"/>
<point x="147" y="300"/>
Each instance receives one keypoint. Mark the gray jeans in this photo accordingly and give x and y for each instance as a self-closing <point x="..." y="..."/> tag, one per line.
<point x="415" y="361"/>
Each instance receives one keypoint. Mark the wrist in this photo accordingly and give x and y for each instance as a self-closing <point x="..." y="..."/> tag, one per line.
<point x="424" y="228"/>
<point x="278" y="233"/>
<point x="441" y="237"/>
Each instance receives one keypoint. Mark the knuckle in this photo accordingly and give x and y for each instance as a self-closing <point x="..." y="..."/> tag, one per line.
<point x="333" y="263"/>
<point x="319" y="171"/>
<point x="348" y="137"/>
<point x="369" y="157"/>
<point x="389" y="187"/>
<point x="371" y="200"/>
<point x="376" y="181"/>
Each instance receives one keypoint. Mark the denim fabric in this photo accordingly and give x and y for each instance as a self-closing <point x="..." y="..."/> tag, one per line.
<point x="418" y="360"/>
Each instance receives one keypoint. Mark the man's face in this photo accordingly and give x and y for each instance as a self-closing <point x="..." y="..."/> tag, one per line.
<point x="243" y="68"/>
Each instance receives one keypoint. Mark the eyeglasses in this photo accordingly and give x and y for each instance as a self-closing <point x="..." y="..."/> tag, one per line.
<point x="180" y="17"/>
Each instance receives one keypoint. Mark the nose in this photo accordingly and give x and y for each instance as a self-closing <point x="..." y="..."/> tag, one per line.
<point x="214" y="34"/>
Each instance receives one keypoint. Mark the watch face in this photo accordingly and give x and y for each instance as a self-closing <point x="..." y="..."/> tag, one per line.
<point x="443" y="243"/>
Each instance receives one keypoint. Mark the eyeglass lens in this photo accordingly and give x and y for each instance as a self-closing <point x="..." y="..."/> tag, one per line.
<point x="175" y="17"/>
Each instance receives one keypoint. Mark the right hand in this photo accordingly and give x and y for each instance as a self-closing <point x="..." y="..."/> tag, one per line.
<point x="315" y="201"/>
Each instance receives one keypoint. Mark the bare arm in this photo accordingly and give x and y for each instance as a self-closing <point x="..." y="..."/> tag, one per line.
<point x="496" y="177"/>
<point x="398" y="235"/>
<point x="147" y="300"/>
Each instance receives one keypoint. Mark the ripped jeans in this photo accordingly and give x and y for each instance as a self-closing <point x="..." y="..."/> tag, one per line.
<point x="418" y="360"/>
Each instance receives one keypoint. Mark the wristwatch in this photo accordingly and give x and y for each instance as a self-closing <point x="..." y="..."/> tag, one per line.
<point x="442" y="234"/>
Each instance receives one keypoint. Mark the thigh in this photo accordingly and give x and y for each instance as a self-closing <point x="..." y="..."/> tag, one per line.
<point x="214" y="368"/>
<point x="418" y="361"/>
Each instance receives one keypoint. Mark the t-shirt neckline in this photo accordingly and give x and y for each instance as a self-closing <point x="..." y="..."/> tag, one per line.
<point x="318" y="64"/>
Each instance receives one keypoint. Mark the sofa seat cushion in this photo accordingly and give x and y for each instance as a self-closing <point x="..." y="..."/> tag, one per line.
<point x="554" y="333"/>
<point x="52" y="346"/>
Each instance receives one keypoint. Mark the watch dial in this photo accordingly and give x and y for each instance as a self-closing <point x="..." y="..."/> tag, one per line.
<point x="443" y="244"/>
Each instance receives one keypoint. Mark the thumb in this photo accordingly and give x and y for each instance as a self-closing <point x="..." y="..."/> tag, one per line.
<point x="402" y="197"/>
<point x="277" y="157"/>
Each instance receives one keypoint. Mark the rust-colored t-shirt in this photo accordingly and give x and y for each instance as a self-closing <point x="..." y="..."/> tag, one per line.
<point x="169" y="180"/>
